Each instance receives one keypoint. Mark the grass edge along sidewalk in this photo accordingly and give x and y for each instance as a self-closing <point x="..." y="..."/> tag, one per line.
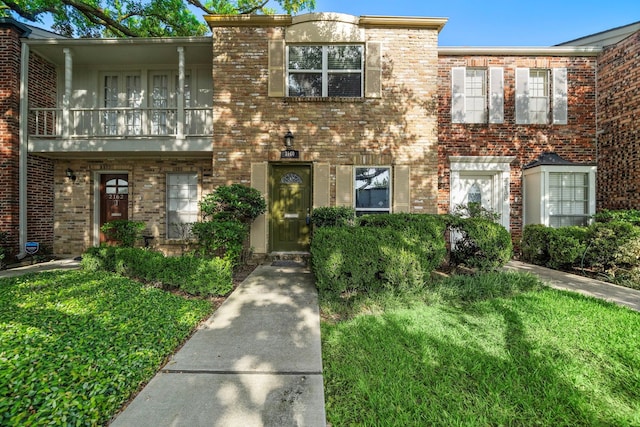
<point x="496" y="349"/>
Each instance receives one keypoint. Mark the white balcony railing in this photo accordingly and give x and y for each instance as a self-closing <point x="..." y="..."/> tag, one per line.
<point x="120" y="122"/>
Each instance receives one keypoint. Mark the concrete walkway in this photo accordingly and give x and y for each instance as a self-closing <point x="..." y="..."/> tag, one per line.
<point x="256" y="362"/>
<point x="584" y="285"/>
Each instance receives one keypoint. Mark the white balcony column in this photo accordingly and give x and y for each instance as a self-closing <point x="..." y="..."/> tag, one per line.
<point x="181" y="113"/>
<point x="24" y="147"/>
<point x="66" y="97"/>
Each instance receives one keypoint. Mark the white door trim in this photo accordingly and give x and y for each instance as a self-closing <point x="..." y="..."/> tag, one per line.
<point x="499" y="167"/>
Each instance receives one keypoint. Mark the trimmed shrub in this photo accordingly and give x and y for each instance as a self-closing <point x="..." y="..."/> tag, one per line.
<point x="607" y="240"/>
<point x="101" y="258"/>
<point x="423" y="232"/>
<point x="336" y="216"/>
<point x="223" y="239"/>
<point x="535" y="244"/>
<point x="566" y="246"/>
<point x="196" y="276"/>
<point x="480" y="243"/>
<point x="631" y="216"/>
<point x="125" y="232"/>
<point x="373" y="258"/>
<point x="233" y="202"/>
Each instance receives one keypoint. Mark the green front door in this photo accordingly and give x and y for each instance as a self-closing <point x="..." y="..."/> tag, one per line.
<point x="289" y="207"/>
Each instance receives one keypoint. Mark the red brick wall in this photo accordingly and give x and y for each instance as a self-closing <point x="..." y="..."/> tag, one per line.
<point x="40" y="190"/>
<point x="42" y="85"/>
<point x="574" y="141"/>
<point x="9" y="128"/>
<point x="618" y="179"/>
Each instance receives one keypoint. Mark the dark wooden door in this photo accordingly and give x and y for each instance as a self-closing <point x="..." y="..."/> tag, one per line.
<point x="114" y="199"/>
<point x="289" y="208"/>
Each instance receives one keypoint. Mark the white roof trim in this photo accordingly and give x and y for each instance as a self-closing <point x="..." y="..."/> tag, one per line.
<point x="521" y="51"/>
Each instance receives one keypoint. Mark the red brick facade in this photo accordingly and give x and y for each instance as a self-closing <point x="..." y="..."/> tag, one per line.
<point x="574" y="141"/>
<point x="9" y="132"/>
<point x="42" y="93"/>
<point x="618" y="125"/>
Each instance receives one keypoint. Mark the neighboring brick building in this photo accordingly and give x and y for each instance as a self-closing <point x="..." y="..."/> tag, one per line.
<point x="499" y="110"/>
<point x="35" y="203"/>
<point x="619" y="125"/>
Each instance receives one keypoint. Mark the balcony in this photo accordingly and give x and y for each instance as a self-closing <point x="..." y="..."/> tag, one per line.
<point x="120" y="122"/>
<point x="120" y="129"/>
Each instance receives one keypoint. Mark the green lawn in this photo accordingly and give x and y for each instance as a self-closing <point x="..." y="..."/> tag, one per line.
<point x="74" y="346"/>
<point x="497" y="350"/>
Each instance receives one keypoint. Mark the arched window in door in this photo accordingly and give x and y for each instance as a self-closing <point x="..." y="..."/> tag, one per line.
<point x="475" y="194"/>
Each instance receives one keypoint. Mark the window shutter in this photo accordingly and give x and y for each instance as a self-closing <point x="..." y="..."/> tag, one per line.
<point x="458" y="75"/>
<point x="344" y="185"/>
<point x="321" y="184"/>
<point x="496" y="95"/>
<point x="560" y="96"/>
<point x="401" y="188"/>
<point x="373" y="71"/>
<point x="522" y="95"/>
<point x="276" y="68"/>
<point x="259" y="181"/>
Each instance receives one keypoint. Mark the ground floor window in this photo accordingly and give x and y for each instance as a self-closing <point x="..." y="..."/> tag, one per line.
<point x="568" y="199"/>
<point x="182" y="204"/>
<point x="372" y="190"/>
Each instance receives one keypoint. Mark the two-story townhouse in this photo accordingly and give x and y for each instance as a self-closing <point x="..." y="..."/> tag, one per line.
<point x="314" y="110"/>
<point x="325" y="110"/>
<point x="517" y="133"/>
<point x="115" y="129"/>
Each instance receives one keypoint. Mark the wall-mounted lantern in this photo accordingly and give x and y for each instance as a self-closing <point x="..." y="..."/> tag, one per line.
<point x="289" y="152"/>
<point x="70" y="174"/>
<point x="288" y="140"/>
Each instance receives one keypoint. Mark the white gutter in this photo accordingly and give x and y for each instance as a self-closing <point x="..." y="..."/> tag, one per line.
<point x="520" y="51"/>
<point x="23" y="150"/>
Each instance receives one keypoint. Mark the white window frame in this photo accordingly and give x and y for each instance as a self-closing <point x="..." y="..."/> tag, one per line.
<point x="566" y="201"/>
<point x="490" y="96"/>
<point x="475" y="96"/>
<point x="539" y="105"/>
<point x="172" y="232"/>
<point x="324" y="71"/>
<point x="552" y="95"/>
<point x="363" y="210"/>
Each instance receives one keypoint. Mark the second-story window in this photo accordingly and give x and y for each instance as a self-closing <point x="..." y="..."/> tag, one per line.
<point x="476" y="95"/>
<point x="541" y="96"/>
<point x="325" y="71"/>
<point x="538" y="96"/>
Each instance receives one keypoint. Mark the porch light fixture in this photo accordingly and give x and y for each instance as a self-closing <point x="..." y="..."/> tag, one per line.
<point x="288" y="140"/>
<point x="70" y="175"/>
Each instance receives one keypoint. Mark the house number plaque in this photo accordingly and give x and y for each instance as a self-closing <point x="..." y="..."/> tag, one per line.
<point x="290" y="154"/>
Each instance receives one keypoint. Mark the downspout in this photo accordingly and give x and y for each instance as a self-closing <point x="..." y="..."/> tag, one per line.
<point x="24" y="149"/>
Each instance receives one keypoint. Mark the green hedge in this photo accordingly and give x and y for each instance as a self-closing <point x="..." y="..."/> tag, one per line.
<point x="610" y="247"/>
<point x="479" y="243"/>
<point x="372" y="258"/>
<point x="196" y="276"/>
<point x="336" y="216"/>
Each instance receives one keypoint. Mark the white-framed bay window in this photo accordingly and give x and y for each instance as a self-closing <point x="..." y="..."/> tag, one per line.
<point x="559" y="195"/>
<point x="325" y="70"/>
<point x="568" y="199"/>
<point x="372" y="189"/>
<point x="182" y="204"/>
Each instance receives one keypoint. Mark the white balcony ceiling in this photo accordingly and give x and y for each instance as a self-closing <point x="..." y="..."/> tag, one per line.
<point x="135" y="51"/>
